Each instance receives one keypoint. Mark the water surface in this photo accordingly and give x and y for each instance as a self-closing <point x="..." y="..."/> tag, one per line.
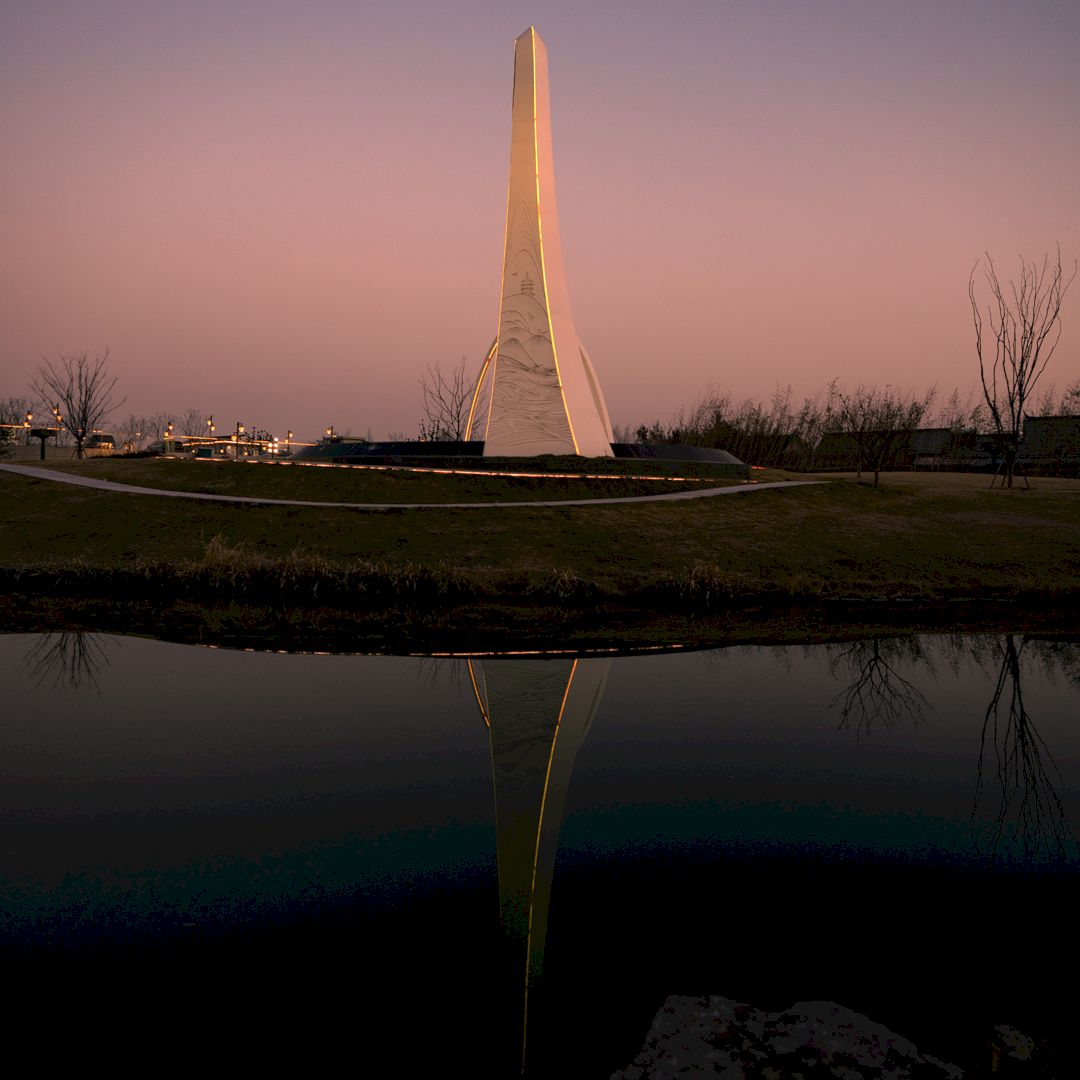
<point x="307" y="852"/>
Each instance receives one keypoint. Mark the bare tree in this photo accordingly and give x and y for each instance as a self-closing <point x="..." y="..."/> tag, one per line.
<point x="192" y="422"/>
<point x="1070" y="400"/>
<point x="13" y="410"/>
<point x="1046" y="405"/>
<point x="877" y="691"/>
<point x="83" y="390"/>
<point x="68" y="659"/>
<point x="1016" y="760"/>
<point x="156" y="425"/>
<point x="878" y="421"/>
<point x="961" y="413"/>
<point x="134" y="433"/>
<point x="781" y="434"/>
<point x="446" y="400"/>
<point x="14" y="413"/>
<point x="1015" y="340"/>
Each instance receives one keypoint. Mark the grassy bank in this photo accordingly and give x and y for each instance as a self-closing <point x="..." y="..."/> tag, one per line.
<point x="921" y="539"/>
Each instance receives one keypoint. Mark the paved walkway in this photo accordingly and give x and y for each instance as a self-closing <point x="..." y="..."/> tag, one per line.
<point x="132" y="489"/>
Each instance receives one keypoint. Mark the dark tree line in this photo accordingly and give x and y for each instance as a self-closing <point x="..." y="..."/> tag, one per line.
<point x="876" y="422"/>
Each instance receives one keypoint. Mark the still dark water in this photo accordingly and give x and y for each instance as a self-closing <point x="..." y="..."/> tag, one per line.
<point x="303" y="857"/>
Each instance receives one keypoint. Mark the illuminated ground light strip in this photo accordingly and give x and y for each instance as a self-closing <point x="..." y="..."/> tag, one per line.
<point x="491" y="472"/>
<point x="608" y="650"/>
<point x="583" y="653"/>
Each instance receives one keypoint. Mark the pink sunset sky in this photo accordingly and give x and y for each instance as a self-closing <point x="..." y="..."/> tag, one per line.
<point x="281" y="212"/>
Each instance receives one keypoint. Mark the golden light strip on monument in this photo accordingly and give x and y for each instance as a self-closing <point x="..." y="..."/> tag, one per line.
<point x="536" y="849"/>
<point x="540" y="240"/>
<point x="476" y="689"/>
<point x="491" y="355"/>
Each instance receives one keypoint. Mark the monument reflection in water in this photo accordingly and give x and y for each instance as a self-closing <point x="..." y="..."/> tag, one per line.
<point x="538" y="713"/>
<point x="886" y="823"/>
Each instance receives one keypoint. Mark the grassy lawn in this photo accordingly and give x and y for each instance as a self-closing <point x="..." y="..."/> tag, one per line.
<point x="920" y="536"/>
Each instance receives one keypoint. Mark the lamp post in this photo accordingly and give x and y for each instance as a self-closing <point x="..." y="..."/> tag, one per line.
<point x="239" y="432"/>
<point x="58" y="417"/>
<point x="26" y="424"/>
<point x="288" y="440"/>
<point x="330" y="432"/>
<point x="168" y="437"/>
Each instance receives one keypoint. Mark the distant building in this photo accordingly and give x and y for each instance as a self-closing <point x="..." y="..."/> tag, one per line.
<point x="836" y="450"/>
<point x="929" y="447"/>
<point x="949" y="448"/>
<point x="1051" y="445"/>
<point x="925" y="448"/>
<point x="99" y="444"/>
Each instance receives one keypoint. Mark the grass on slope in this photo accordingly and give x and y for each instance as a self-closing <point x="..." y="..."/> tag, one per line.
<point x="919" y="536"/>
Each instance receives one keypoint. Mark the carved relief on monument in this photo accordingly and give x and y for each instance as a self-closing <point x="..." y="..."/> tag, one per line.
<point x="528" y="415"/>
<point x="544" y="394"/>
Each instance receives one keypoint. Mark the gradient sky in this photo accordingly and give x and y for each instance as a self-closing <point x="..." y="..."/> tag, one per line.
<point x="281" y="212"/>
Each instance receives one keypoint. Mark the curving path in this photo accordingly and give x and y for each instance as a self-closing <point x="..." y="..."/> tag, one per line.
<point x="132" y="489"/>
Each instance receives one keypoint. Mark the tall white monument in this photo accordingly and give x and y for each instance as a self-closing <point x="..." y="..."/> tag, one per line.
<point x="544" y="396"/>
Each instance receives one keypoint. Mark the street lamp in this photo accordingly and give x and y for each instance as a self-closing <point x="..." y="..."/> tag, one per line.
<point x="26" y="424"/>
<point x="330" y="432"/>
<point x="58" y="416"/>
<point x="288" y="440"/>
<point x="239" y="432"/>
<point x="168" y="437"/>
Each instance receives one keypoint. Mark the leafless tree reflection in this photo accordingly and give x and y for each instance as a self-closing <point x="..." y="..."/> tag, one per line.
<point x="67" y="660"/>
<point x="877" y="693"/>
<point x="1056" y="657"/>
<point x="1015" y="764"/>
<point x="432" y="670"/>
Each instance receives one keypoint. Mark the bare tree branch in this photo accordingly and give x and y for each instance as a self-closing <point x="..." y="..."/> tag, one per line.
<point x="192" y="422"/>
<point x="1022" y="771"/>
<point x="445" y="400"/>
<point x="1015" y="339"/>
<point x="82" y="390"/>
<point x="68" y="659"/>
<point x="878" y="421"/>
<point x="877" y="691"/>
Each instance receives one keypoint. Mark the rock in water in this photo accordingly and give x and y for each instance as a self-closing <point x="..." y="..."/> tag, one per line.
<point x="720" y="1037"/>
